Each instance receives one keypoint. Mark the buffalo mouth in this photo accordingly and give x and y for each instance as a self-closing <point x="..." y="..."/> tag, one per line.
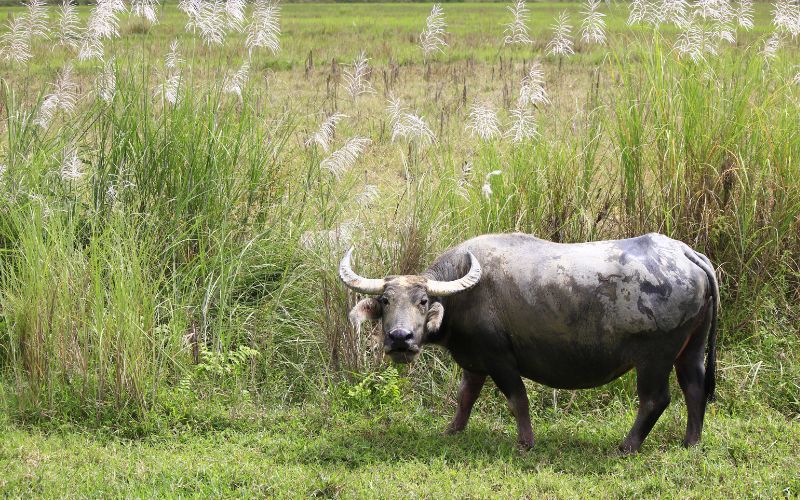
<point x="403" y="354"/>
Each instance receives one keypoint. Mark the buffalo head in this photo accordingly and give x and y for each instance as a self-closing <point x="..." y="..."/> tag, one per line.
<point x="404" y="305"/>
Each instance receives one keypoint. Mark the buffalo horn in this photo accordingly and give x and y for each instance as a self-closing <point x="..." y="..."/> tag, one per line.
<point x="356" y="282"/>
<point x="445" y="288"/>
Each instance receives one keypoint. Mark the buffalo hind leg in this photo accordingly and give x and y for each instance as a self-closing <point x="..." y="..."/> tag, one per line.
<point x="652" y="386"/>
<point x="510" y="384"/>
<point x="468" y="392"/>
<point x="691" y="373"/>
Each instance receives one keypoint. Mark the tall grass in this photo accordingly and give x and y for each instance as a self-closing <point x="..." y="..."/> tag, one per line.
<point x="204" y="235"/>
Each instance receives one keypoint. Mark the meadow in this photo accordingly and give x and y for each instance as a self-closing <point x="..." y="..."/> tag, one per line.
<point x="171" y="319"/>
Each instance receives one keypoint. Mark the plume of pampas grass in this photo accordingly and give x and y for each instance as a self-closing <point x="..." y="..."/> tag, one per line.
<point x="408" y="126"/>
<point x="345" y="157"/>
<point x="644" y="11"/>
<point x="786" y="17"/>
<point x="168" y="89"/>
<point x="523" y="125"/>
<point x="744" y="14"/>
<point x="369" y="194"/>
<point x="532" y="91"/>
<point x="265" y="28"/>
<point x="593" y="27"/>
<point x="91" y="48"/>
<point x="234" y="13"/>
<point x="486" y="190"/>
<point x="145" y="9"/>
<point x="355" y="78"/>
<point x="103" y="23"/>
<point x="772" y="45"/>
<point x="695" y="41"/>
<point x="69" y="34"/>
<point x="71" y="167"/>
<point x="561" y="44"/>
<point x="483" y="121"/>
<point x="432" y="37"/>
<point x="36" y="19"/>
<point x="516" y="32"/>
<point x="673" y="11"/>
<point x="106" y="82"/>
<point x="173" y="59"/>
<point x="63" y="97"/>
<point x="235" y="82"/>
<point x="15" y="44"/>
<point x="210" y="20"/>
<point x="324" y="136"/>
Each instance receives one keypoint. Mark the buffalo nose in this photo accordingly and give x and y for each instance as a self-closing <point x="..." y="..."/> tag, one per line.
<point x="400" y="336"/>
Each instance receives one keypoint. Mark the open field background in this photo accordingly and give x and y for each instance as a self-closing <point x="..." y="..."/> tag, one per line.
<point x="170" y="316"/>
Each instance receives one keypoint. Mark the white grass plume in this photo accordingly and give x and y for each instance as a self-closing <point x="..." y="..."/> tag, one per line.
<point x="744" y="14"/>
<point x="71" y="166"/>
<point x="355" y="78"/>
<point x="173" y="59"/>
<point x="63" y="98"/>
<point x="264" y="29"/>
<point x="695" y="41"/>
<point x="516" y="32"/>
<point x="169" y="88"/>
<point x="234" y="14"/>
<point x="786" y="17"/>
<point x="593" y="27"/>
<point x="345" y="157"/>
<point x="486" y="190"/>
<point x="408" y="126"/>
<point x="36" y="18"/>
<point x="772" y="45"/>
<point x="210" y="20"/>
<point x="236" y="82"/>
<point x="532" y="91"/>
<point x="561" y="44"/>
<point x="102" y="24"/>
<point x="523" y="125"/>
<point x="644" y="11"/>
<point x="432" y="37"/>
<point x="368" y="195"/>
<point x="106" y="82"/>
<point x="69" y="32"/>
<point x="146" y="9"/>
<point x="673" y="11"/>
<point x="483" y="121"/>
<point x="324" y="136"/>
<point x="15" y="44"/>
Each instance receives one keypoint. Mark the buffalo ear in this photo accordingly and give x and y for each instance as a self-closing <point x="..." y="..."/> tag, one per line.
<point x="434" y="319"/>
<point x="367" y="309"/>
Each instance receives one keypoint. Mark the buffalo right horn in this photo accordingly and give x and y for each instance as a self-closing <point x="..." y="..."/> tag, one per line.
<point x="356" y="282"/>
<point x="445" y="288"/>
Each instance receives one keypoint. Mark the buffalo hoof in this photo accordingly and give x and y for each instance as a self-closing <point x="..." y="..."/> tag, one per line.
<point x="525" y="445"/>
<point x="627" y="450"/>
<point x="452" y="431"/>
<point x="689" y="443"/>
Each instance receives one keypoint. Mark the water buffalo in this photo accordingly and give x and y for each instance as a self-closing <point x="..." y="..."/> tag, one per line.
<point x="569" y="316"/>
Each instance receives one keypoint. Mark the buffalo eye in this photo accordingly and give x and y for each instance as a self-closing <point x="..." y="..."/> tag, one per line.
<point x="383" y="300"/>
<point x="423" y="302"/>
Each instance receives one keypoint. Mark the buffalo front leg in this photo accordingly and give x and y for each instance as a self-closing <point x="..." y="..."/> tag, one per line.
<point x="468" y="392"/>
<point x="511" y="385"/>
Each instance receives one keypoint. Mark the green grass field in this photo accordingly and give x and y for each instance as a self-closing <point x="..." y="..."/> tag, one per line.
<point x="171" y="320"/>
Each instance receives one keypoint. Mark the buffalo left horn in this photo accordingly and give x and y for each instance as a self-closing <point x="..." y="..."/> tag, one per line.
<point x="356" y="282"/>
<point x="445" y="288"/>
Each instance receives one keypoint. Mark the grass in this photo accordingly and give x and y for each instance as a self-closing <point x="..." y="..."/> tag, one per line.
<point x="171" y="323"/>
<point x="313" y="452"/>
